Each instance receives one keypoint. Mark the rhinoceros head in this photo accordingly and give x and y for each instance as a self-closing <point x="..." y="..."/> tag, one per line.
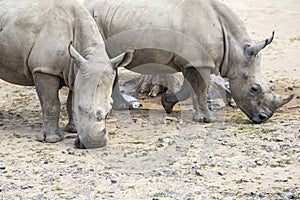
<point x="248" y="87"/>
<point x="92" y="94"/>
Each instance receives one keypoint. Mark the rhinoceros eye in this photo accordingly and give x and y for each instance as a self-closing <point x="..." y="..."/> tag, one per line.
<point x="255" y="88"/>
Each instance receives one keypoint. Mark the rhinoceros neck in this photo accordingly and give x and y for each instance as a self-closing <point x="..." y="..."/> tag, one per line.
<point x="235" y="38"/>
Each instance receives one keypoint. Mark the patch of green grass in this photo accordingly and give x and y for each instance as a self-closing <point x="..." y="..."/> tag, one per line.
<point x="9" y="176"/>
<point x="240" y="181"/>
<point x="58" y="188"/>
<point x="297" y="38"/>
<point x="159" y="194"/>
<point x="16" y="91"/>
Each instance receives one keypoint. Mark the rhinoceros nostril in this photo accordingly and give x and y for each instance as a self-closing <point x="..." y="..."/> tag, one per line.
<point x="263" y="116"/>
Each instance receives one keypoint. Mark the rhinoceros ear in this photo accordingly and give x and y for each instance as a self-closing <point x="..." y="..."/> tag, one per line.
<point x="251" y="51"/>
<point x="76" y="56"/>
<point x="122" y="60"/>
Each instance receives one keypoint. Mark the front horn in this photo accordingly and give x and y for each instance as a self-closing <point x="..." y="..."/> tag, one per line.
<point x="252" y="50"/>
<point x="282" y="102"/>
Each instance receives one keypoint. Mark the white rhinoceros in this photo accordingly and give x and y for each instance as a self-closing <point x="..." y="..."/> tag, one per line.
<point x="37" y="43"/>
<point x="196" y="37"/>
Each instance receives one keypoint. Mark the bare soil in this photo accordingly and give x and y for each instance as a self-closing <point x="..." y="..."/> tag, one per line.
<point x="152" y="155"/>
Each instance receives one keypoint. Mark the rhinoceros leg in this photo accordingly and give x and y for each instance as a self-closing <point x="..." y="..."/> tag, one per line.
<point x="119" y="102"/>
<point x="195" y="84"/>
<point x="47" y="87"/>
<point x="199" y="81"/>
<point x="70" y="127"/>
<point x="169" y="100"/>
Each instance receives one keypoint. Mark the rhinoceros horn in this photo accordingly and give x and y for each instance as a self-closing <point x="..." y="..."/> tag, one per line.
<point x="252" y="50"/>
<point x="280" y="102"/>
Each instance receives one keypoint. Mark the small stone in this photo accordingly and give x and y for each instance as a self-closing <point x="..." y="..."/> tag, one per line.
<point x="259" y="162"/>
<point x="166" y="140"/>
<point x="251" y="165"/>
<point x="70" y="151"/>
<point x="222" y="173"/>
<point x="223" y="127"/>
<point x="24" y="187"/>
<point x="113" y="181"/>
<point x="1" y="189"/>
<point x="279" y="139"/>
<point x="62" y="160"/>
<point x="289" y="195"/>
<point x="251" y="194"/>
<point x="261" y="195"/>
<point x="274" y="164"/>
<point x="298" y="97"/>
<point x="199" y="173"/>
<point x="16" y="135"/>
<point x="290" y="88"/>
<point x="2" y="167"/>
<point x="171" y="119"/>
<point x="46" y="162"/>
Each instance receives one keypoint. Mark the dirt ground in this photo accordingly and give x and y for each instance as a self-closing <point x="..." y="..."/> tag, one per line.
<point x="152" y="155"/>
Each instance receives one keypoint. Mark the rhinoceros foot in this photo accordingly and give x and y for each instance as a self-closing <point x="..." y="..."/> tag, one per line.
<point x="50" y="138"/>
<point x="79" y="144"/>
<point x="207" y="117"/>
<point x="168" y="101"/>
<point x="70" y="128"/>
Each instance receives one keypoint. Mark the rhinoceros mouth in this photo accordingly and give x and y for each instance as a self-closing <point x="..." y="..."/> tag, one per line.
<point x="261" y="117"/>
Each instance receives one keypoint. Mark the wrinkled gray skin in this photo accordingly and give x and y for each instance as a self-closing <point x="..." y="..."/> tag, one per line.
<point x="194" y="37"/>
<point x="35" y="50"/>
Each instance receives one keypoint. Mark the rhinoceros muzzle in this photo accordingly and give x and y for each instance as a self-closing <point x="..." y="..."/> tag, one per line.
<point x="261" y="117"/>
<point x="267" y="113"/>
<point x="94" y="138"/>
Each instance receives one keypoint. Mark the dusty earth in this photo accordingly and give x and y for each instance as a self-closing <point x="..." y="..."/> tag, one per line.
<point x="151" y="155"/>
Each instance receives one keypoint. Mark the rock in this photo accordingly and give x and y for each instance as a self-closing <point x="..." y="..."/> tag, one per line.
<point x="225" y="135"/>
<point x="113" y="181"/>
<point x="279" y="139"/>
<point x="259" y="162"/>
<point x="166" y="140"/>
<point x="289" y="195"/>
<point x="71" y="151"/>
<point x="2" y="167"/>
<point x="62" y="160"/>
<point x="223" y="127"/>
<point x="261" y="195"/>
<point x="24" y="187"/>
<point x="199" y="173"/>
<point x="171" y="119"/>
<point x="1" y="189"/>
<point x="274" y="164"/>
<point x="16" y="135"/>
<point x="251" y="194"/>
<point x="222" y="173"/>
